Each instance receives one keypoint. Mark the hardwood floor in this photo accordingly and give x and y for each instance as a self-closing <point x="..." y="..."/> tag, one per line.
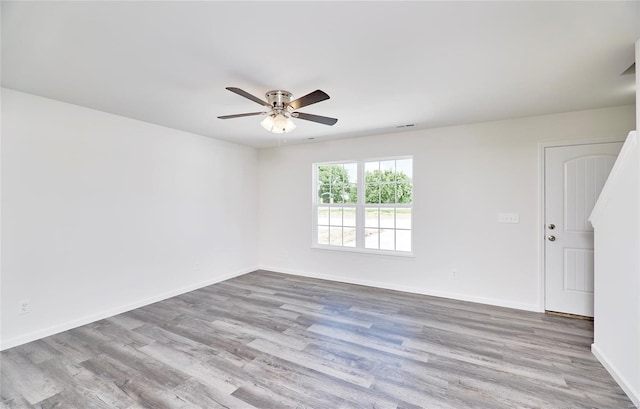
<point x="267" y="340"/>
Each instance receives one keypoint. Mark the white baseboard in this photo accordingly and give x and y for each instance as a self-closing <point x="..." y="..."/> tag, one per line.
<point x="65" y="326"/>
<point x="634" y="395"/>
<point x="409" y="289"/>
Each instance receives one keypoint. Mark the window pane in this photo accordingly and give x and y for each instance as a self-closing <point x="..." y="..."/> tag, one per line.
<point x="372" y="193"/>
<point x="324" y="194"/>
<point x="403" y="240"/>
<point x="338" y="174"/>
<point x="333" y="173"/>
<point x="335" y="236"/>
<point x="335" y="218"/>
<point x="404" y="190"/>
<point x="323" y="216"/>
<point x="387" y="218"/>
<point x="319" y="192"/>
<point x="372" y="171"/>
<point x="405" y="166"/>
<point x="322" y="174"/>
<point x="352" y="193"/>
<point x="388" y="193"/>
<point x="388" y="167"/>
<point x="387" y="239"/>
<point x="352" y="172"/>
<point x="338" y="193"/>
<point x="404" y="181"/>
<point x="323" y="235"/>
<point x="371" y="238"/>
<point x="332" y="189"/>
<point x="403" y="218"/>
<point x="371" y="217"/>
<point x="349" y="216"/>
<point x="372" y="178"/>
<point x="349" y="237"/>
<point x="322" y="183"/>
<point x="345" y="193"/>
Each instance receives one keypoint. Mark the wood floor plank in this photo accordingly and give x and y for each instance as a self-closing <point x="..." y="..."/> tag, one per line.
<point x="10" y="395"/>
<point x="392" y="348"/>
<point x="146" y="391"/>
<point x="28" y="380"/>
<point x="202" y="395"/>
<point x="192" y="365"/>
<point x="82" y="388"/>
<point x="276" y="337"/>
<point x="269" y="340"/>
<point x="351" y="375"/>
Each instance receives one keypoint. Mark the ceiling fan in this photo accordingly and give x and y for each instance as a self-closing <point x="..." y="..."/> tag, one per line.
<point x="281" y="109"/>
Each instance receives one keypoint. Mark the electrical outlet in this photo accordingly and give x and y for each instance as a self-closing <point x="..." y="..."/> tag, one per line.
<point x="24" y="307"/>
<point x="454" y="274"/>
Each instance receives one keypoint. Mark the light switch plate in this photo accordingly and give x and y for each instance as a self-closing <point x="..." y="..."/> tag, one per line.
<point x="508" y="218"/>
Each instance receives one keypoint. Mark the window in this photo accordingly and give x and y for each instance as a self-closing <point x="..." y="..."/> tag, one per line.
<point x="364" y="205"/>
<point x="337" y="188"/>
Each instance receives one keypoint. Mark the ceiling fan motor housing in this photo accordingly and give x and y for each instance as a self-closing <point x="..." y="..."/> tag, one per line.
<point x="278" y="99"/>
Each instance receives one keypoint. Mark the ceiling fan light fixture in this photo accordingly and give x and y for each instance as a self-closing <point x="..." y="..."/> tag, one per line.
<point x="267" y="122"/>
<point x="278" y="123"/>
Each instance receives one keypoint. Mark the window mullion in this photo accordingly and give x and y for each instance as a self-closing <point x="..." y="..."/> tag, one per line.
<point x="314" y="207"/>
<point x="360" y="207"/>
<point x="314" y="216"/>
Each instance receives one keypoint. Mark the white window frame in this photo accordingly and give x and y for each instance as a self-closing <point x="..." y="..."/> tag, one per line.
<point x="360" y="206"/>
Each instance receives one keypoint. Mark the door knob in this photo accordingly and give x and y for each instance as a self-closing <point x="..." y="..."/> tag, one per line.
<point x="552" y="226"/>
<point x="551" y="238"/>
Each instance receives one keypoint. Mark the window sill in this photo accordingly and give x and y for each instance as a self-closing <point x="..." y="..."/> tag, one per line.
<point x="390" y="253"/>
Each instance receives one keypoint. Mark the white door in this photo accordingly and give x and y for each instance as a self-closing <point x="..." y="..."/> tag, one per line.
<point x="574" y="177"/>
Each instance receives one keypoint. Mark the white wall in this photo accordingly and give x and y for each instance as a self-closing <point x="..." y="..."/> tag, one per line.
<point x="102" y="213"/>
<point x="464" y="176"/>
<point x="616" y="220"/>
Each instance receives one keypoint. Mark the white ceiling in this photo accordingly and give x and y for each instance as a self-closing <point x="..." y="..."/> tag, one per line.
<point x="384" y="64"/>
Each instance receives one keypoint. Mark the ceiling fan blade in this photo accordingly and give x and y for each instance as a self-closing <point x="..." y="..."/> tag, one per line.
<point x="245" y="94"/>
<point x="630" y="70"/>
<point x="315" y="118"/>
<point x="241" y="115"/>
<point x="311" y="98"/>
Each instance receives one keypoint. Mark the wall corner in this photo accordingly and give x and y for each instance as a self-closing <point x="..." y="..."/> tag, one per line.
<point x="637" y="81"/>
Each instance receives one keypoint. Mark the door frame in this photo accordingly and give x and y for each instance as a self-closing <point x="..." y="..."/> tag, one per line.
<point x="541" y="231"/>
